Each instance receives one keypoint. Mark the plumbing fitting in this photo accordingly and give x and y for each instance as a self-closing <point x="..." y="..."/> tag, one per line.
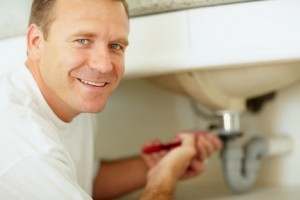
<point x="230" y="124"/>
<point x="240" y="165"/>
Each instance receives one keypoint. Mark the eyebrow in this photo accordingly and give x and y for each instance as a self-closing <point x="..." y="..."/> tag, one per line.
<point x="123" y="41"/>
<point x="84" y="34"/>
<point x="92" y="34"/>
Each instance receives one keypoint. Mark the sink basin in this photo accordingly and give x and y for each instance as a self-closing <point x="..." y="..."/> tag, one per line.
<point x="229" y="88"/>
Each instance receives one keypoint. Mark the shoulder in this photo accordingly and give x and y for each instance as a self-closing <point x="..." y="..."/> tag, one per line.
<point x="35" y="176"/>
<point x="24" y="133"/>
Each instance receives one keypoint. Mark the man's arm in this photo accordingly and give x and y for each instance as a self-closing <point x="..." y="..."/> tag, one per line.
<point x="120" y="177"/>
<point x="117" y="178"/>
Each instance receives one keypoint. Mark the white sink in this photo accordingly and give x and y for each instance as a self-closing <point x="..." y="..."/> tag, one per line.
<point x="229" y="88"/>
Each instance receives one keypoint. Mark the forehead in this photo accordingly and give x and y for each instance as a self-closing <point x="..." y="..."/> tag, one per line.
<point x="89" y="7"/>
<point x="101" y="10"/>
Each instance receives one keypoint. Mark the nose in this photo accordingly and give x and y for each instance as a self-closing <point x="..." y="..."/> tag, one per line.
<point x="100" y="60"/>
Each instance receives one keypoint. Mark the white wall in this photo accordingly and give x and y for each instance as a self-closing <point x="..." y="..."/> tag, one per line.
<point x="12" y="53"/>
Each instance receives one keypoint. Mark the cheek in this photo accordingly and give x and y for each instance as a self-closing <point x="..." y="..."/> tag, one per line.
<point x="50" y="75"/>
<point x="56" y="69"/>
<point x="73" y="59"/>
<point x="119" y="63"/>
<point x="120" y="71"/>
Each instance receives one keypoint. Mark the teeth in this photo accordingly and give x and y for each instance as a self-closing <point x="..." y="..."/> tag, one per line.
<point x="92" y="83"/>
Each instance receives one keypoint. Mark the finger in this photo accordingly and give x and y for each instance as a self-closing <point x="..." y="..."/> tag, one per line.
<point x="197" y="166"/>
<point x="212" y="143"/>
<point x="209" y="142"/>
<point x="215" y="141"/>
<point x="208" y="145"/>
<point x="153" y="158"/>
<point x="158" y="156"/>
<point x="201" y="149"/>
<point x="186" y="151"/>
<point x="194" y="169"/>
<point x="162" y="153"/>
<point x="188" y="139"/>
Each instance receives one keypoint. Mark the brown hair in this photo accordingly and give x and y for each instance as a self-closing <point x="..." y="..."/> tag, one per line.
<point x="42" y="14"/>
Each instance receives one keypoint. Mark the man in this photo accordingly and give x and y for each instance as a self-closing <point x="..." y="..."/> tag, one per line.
<point x="75" y="61"/>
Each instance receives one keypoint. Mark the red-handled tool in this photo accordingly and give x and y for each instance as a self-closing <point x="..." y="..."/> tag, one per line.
<point x="156" y="148"/>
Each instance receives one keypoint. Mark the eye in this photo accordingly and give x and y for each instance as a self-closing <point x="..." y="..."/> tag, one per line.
<point x="83" y="41"/>
<point x="116" y="46"/>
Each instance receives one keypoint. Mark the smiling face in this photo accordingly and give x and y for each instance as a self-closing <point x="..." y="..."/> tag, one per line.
<point x="81" y="62"/>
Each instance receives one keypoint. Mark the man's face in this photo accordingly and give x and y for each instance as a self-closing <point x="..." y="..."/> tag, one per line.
<point x="82" y="60"/>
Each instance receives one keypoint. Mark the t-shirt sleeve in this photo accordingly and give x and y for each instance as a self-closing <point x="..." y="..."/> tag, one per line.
<point x="38" y="177"/>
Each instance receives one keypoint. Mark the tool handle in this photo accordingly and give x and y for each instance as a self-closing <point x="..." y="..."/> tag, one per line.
<point x="156" y="148"/>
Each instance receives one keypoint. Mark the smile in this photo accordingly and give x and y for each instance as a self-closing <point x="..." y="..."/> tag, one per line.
<point x="96" y="84"/>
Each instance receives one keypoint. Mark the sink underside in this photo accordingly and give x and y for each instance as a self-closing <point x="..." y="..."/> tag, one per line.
<point x="229" y="88"/>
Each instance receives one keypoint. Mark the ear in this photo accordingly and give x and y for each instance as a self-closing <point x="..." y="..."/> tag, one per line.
<point x="34" y="41"/>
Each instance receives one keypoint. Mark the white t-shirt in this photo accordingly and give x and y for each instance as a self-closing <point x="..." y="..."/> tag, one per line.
<point x="41" y="157"/>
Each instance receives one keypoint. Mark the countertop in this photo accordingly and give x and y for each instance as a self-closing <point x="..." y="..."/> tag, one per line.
<point x="14" y="14"/>
<point x="146" y="7"/>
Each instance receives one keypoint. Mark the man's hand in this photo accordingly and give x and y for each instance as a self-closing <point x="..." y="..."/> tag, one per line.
<point x="163" y="176"/>
<point x="205" y="145"/>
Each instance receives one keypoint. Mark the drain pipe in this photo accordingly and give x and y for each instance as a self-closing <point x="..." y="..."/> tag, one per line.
<point x="240" y="165"/>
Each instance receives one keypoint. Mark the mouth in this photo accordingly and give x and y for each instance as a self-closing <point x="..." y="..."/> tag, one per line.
<point x="92" y="83"/>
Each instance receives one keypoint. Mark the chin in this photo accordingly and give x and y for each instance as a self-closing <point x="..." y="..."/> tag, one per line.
<point x="93" y="108"/>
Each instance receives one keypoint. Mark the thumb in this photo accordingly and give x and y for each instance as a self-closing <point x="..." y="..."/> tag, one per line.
<point x="188" y="139"/>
